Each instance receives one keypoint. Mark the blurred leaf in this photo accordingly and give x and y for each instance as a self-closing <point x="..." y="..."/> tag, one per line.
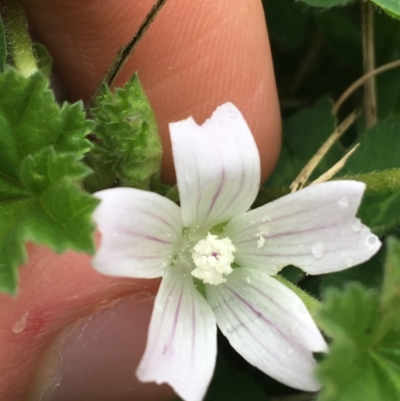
<point x="363" y="363"/>
<point x="326" y="3"/>
<point x="288" y="23"/>
<point x="342" y="33"/>
<point x="378" y="154"/>
<point x="3" y="46"/>
<point x="390" y="299"/>
<point x="379" y="149"/>
<point x="303" y="134"/>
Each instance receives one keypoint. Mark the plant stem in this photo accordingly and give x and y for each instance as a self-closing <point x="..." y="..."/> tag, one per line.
<point x="367" y="24"/>
<point x="19" y="39"/>
<point x="361" y="81"/>
<point x="126" y="50"/>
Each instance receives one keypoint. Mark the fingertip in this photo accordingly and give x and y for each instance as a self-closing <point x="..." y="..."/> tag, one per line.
<point x="195" y="56"/>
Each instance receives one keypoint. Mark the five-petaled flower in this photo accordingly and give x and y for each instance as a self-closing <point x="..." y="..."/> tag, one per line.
<point x="217" y="259"/>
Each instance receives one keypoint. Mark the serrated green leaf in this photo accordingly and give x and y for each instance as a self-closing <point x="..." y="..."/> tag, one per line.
<point x="36" y="121"/>
<point x="364" y="360"/>
<point x="361" y="365"/>
<point x="127" y="129"/>
<point x="60" y="213"/>
<point x="3" y="46"/>
<point x="303" y="134"/>
<point x="391" y="7"/>
<point x="326" y="3"/>
<point x="41" y="146"/>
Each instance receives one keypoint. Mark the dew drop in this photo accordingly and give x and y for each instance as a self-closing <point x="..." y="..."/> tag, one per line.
<point x="356" y="226"/>
<point x="344" y="202"/>
<point x="229" y="328"/>
<point x="232" y="113"/>
<point x="318" y="249"/>
<point x="290" y="351"/>
<point x="371" y="240"/>
<point x="248" y="280"/>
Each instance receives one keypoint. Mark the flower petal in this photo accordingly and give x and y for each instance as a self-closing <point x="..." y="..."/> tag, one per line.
<point x="139" y="232"/>
<point x="268" y="325"/>
<point x="217" y="166"/>
<point x="181" y="348"/>
<point x="314" y="229"/>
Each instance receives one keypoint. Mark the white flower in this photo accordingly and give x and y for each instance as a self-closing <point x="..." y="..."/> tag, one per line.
<point x="233" y="253"/>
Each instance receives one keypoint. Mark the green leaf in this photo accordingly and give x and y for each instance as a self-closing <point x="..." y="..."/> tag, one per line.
<point x="379" y="149"/>
<point x="392" y="7"/>
<point x="303" y="134"/>
<point x="288" y="24"/>
<point x="43" y="59"/>
<point x="390" y="299"/>
<point x="364" y="360"/>
<point x="378" y="165"/>
<point x="361" y="365"/>
<point x="326" y="3"/>
<point x="41" y="146"/>
<point x="343" y="35"/>
<point x="3" y="46"/>
<point x="128" y="134"/>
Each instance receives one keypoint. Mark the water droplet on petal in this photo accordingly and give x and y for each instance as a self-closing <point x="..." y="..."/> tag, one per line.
<point x="356" y="226"/>
<point x="371" y="240"/>
<point x="232" y="113"/>
<point x="290" y="351"/>
<point x="318" y="249"/>
<point x="350" y="262"/>
<point x="344" y="202"/>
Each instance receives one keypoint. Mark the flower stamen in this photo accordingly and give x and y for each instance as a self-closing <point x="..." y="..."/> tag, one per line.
<point x="213" y="258"/>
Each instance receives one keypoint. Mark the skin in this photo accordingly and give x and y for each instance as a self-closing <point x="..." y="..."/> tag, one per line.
<point x="196" y="56"/>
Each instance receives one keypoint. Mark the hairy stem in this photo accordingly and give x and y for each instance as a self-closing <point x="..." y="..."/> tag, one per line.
<point x="125" y="51"/>
<point x="18" y="38"/>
